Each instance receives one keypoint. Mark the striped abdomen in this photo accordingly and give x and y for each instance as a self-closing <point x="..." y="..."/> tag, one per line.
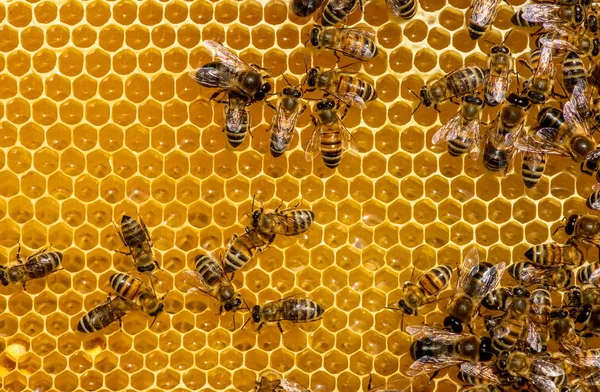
<point x="477" y="280"/>
<point x="43" y="264"/>
<point x="352" y="84"/>
<point x="494" y="159"/>
<point x="295" y="222"/>
<point x="465" y="80"/>
<point x="237" y="121"/>
<point x="436" y="280"/>
<point x="103" y="315"/>
<point x="532" y="173"/>
<point x="573" y="71"/>
<point x="507" y="333"/>
<point x="331" y="146"/>
<point x="403" y="8"/>
<point x="357" y="46"/>
<point x="460" y="144"/>
<point x="517" y="20"/>
<point x="242" y="249"/>
<point x="280" y="140"/>
<point x="126" y="285"/>
<point x="208" y="268"/>
<point x="334" y="12"/>
<point x="483" y="13"/>
<point x="583" y="274"/>
<point x="298" y="310"/>
<point x="592" y="200"/>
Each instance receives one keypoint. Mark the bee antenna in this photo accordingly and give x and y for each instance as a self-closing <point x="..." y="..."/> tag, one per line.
<point x="557" y="229"/>
<point x="287" y="81"/>
<point x="253" y="198"/>
<point x="246" y="322"/>
<point x="153" y="321"/>
<point x="417" y="108"/>
<point x="507" y="35"/>
<point x="490" y="42"/>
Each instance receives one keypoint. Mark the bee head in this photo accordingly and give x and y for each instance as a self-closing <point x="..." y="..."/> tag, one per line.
<point x="518" y="100"/>
<point x="256" y="217"/>
<point x="264" y="90"/>
<point x="579" y="13"/>
<point x="256" y="314"/>
<point x="536" y="97"/>
<point x="234" y="304"/>
<point x="473" y="99"/>
<point x="287" y="91"/>
<point x="596" y="47"/>
<point x="325" y="104"/>
<point x="424" y="98"/>
<point x="296" y="93"/>
<point x="485" y="349"/>
<point x="454" y="324"/>
<point x="584" y="314"/>
<point x="3" y="279"/>
<point x="314" y="35"/>
<point x="591" y="23"/>
<point x="570" y="226"/>
<point x="125" y="219"/>
<point x="156" y="308"/>
<point x="521" y="292"/>
<point x="311" y="80"/>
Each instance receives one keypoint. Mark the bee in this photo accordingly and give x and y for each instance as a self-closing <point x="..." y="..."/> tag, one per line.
<point x="593" y="200"/>
<point x="543" y="374"/>
<point x="345" y="86"/>
<point x="237" y="117"/>
<point x="355" y="43"/>
<point x="135" y="236"/>
<point x="553" y="254"/>
<point x="516" y="324"/>
<point x="541" y="85"/>
<point x="231" y="73"/>
<point x="483" y="13"/>
<point x="272" y="382"/>
<point x="591" y="325"/>
<point x="499" y="141"/>
<point x="526" y="273"/>
<point x="569" y="342"/>
<point x="586" y="359"/>
<point x="589" y="273"/>
<point x="133" y="289"/>
<point x="584" y="228"/>
<point x="532" y="167"/>
<point x="573" y="71"/>
<point x="288" y="222"/>
<point x="210" y="279"/>
<point x="498" y="299"/>
<point x="335" y="11"/>
<point x="242" y="248"/>
<point x="482" y="388"/>
<point x="457" y="83"/>
<point x="475" y="281"/>
<point x="591" y="24"/>
<point x="550" y="15"/>
<point x="541" y="310"/>
<point x="38" y="265"/>
<point x="582" y="300"/>
<point x="283" y="125"/>
<point x="287" y="309"/>
<point x="304" y="8"/>
<point x="500" y="65"/>
<point x="105" y="314"/>
<point x="434" y="350"/>
<point x="330" y="136"/>
<point x="405" y="9"/>
<point x="462" y="130"/>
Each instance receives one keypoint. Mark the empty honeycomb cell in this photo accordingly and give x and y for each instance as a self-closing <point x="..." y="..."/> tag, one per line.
<point x="486" y="234"/>
<point x="499" y="211"/>
<point x="525" y="211"/>
<point x="9" y="38"/>
<point x="176" y="60"/>
<point x="57" y="324"/>
<point x="20" y="209"/>
<point x="124" y="163"/>
<point x="163" y="36"/>
<point x="19" y="14"/>
<point x="71" y="12"/>
<point x="18" y="63"/>
<point x="111" y="87"/>
<point x="32" y="38"/>
<point x="84" y="36"/>
<point x="150" y="60"/>
<point x="511" y="234"/>
<point x="57" y="36"/>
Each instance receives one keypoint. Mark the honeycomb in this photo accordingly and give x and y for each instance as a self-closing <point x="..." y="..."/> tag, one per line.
<point x="100" y="118"/>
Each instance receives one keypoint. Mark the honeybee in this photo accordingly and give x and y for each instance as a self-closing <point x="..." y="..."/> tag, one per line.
<point x="428" y="286"/>
<point x="304" y="8"/>
<point x="133" y="289"/>
<point x="38" y="265"/>
<point x="457" y="83"/>
<point x="462" y="130"/>
<point x="135" y="236"/>
<point x="589" y="273"/>
<point x="335" y="11"/>
<point x="532" y="167"/>
<point x="348" y="88"/>
<point x="483" y="13"/>
<point x="591" y="24"/>
<point x="498" y="299"/>
<point x="237" y="117"/>
<point x="499" y="141"/>
<point x="434" y="350"/>
<point x="283" y="125"/>
<point x="330" y="136"/>
<point x="481" y="373"/>
<point x="482" y="388"/>
<point x="231" y="73"/>
<point x="582" y="300"/>
<point x="526" y="273"/>
<point x="573" y="71"/>
<point x="289" y="222"/>
<point x="544" y="375"/>
<point x="272" y="383"/>
<point x="500" y="65"/>
<point x="405" y="9"/>
<point x="541" y="85"/>
<point x="354" y="43"/>
<point x="563" y="39"/>
<point x="569" y="342"/>
<point x="105" y="314"/>
<point x="242" y="248"/>
<point x="287" y="309"/>
<point x="553" y="254"/>
<point x="584" y="228"/>
<point x="210" y="279"/>
<point x="475" y="281"/>
<point x="550" y="15"/>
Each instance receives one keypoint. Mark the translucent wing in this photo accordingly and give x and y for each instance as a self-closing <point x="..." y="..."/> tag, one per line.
<point x="295" y="221"/>
<point x="213" y="77"/>
<point x="557" y="43"/>
<point x="351" y="98"/>
<point x="545" y="68"/>
<point x="484" y="11"/>
<point x="481" y="370"/>
<point x="342" y="4"/>
<point x="235" y="117"/>
<point x="428" y="364"/>
<point x="549" y="143"/>
<point x="468" y="268"/>
<point x="540" y="146"/>
<point x="571" y="108"/>
<point x="596" y="204"/>
<point x="533" y="160"/>
<point x="424" y="331"/>
<point x="580" y="100"/>
<point x="533" y="337"/>
<point x="595" y="277"/>
<point x="358" y="31"/>
<point x="286" y="121"/>
<point x="314" y="144"/>
<point x="593" y="155"/>
<point x="489" y="280"/>
<point x="292" y="386"/>
<point x="541" y="13"/>
<point x="348" y="141"/>
<point x="589" y="359"/>
<point x="473" y="131"/>
<point x="547" y="369"/>
<point x="496" y="87"/>
<point x="543" y="384"/>
<point x="446" y="130"/>
<point x="198" y="283"/>
<point x="226" y="56"/>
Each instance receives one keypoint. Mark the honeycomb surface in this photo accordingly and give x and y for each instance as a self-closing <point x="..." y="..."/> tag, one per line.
<point x="99" y="118"/>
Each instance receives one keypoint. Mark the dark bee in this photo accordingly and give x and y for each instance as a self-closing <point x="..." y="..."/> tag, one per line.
<point x="526" y="273"/>
<point x="435" y="349"/>
<point x="591" y="24"/>
<point x="287" y="309"/>
<point x="457" y="83"/>
<point x="345" y="86"/>
<point x="38" y="265"/>
<point x="304" y="8"/>
<point x="105" y="314"/>
<point x="355" y="43"/>
<point x="483" y="13"/>
<point x="541" y="310"/>
<point x="462" y="130"/>
<point x="542" y="373"/>
<point x="283" y="125"/>
<point x="500" y="65"/>
<point x="289" y="222"/>
<point x="242" y="248"/>
<point x="553" y="254"/>
<point x="569" y="342"/>
<point x="405" y="9"/>
<point x="135" y="236"/>
<point x="591" y="325"/>
<point x="428" y="286"/>
<point x="237" y="117"/>
<point x="336" y="11"/>
<point x="475" y="281"/>
<point x="330" y="136"/>
<point x="134" y="290"/>
<point x="584" y="228"/>
<point x="231" y="73"/>
<point x="498" y="299"/>
<point x="573" y="71"/>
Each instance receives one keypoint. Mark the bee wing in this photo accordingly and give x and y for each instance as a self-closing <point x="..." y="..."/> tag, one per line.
<point x="540" y="13"/>
<point x="210" y="77"/>
<point x="557" y="43"/>
<point x="593" y="155"/>
<point x="473" y="131"/>
<point x="341" y="4"/>
<point x="533" y="337"/>
<point x="543" y="384"/>
<point x="226" y="56"/>
<point x="424" y="331"/>
<point x="348" y="141"/>
<point x="197" y="281"/>
<point x="468" y="268"/>
<point x="234" y="118"/>
<point x="548" y="144"/>
<point x="571" y="110"/>
<point x="596" y="204"/>
<point x="590" y="360"/>
<point x="484" y="11"/>
<point x="547" y="369"/>
<point x="292" y="386"/>
<point x="429" y="364"/>
<point x="447" y="130"/>
<point x="286" y="121"/>
<point x="352" y="99"/>
<point x="490" y="280"/>
<point x="595" y="277"/>
<point x="537" y="148"/>
<point x="359" y="31"/>
<point x="545" y="66"/>
<point x="481" y="370"/>
<point x="314" y="145"/>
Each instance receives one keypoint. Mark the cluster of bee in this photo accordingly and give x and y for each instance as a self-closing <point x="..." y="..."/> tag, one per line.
<point x="536" y="329"/>
<point x="336" y="11"/>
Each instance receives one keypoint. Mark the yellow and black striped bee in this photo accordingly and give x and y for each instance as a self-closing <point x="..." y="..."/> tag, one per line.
<point x="586" y="359"/>
<point x="38" y="265"/>
<point x="288" y="222"/>
<point x="434" y="349"/>
<point x="283" y="125"/>
<point x="135" y="236"/>
<point x="296" y="310"/>
<point x="552" y="254"/>
<point x="475" y="281"/>
<point x="304" y="8"/>
<point x="237" y="117"/>
<point x="330" y="136"/>
<point x="541" y="311"/>
<point x="533" y="165"/>
<point x="500" y="65"/>
<point x="526" y="273"/>
<point x="483" y="13"/>
<point x="540" y="372"/>
<point x="584" y="228"/>
<point x="541" y="85"/>
<point x="105" y="314"/>
<point x="481" y="374"/>
<point x="242" y="248"/>
<point x="550" y="15"/>
<point x="355" y="43"/>
<point x="133" y="289"/>
<point x="231" y="73"/>
<point x="574" y="71"/>
<point x="336" y="11"/>
<point x="211" y="279"/>
<point x="405" y="9"/>
<point x="457" y="83"/>
<point x="462" y="130"/>
<point x="432" y="283"/>
<point x="345" y="86"/>
<point x="498" y="299"/>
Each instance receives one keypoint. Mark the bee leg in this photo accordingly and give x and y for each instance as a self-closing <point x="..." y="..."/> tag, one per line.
<point x="216" y="94"/>
<point x="24" y="286"/>
<point x="585" y="170"/>
<point x="279" y="326"/>
<point x="157" y="265"/>
<point x="258" y="67"/>
<point x="121" y="252"/>
<point x="345" y="112"/>
<point x="302" y="110"/>
<point x="470" y="329"/>
<point x="120" y="323"/>
<point x="269" y="104"/>
<point x="19" y="254"/>
<point x="314" y="120"/>
<point x="119" y="232"/>
<point x="434" y="375"/>
<point x="369" y="387"/>
<point x="527" y="65"/>
<point x="337" y="56"/>
<point x="259" y="328"/>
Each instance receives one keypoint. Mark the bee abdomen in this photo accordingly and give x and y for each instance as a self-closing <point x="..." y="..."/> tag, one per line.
<point x="476" y="30"/>
<point x="593" y="198"/>
<point x="465" y="80"/>
<point x="332" y="16"/>
<point x="532" y="177"/>
<point x="238" y="254"/>
<point x="459" y="145"/>
<point x="302" y="310"/>
<point x="331" y="149"/>
<point x="436" y="279"/>
<point x="360" y="87"/>
<point x="407" y="9"/>
<point x="573" y="71"/>
<point x="235" y="139"/>
<point x="494" y="159"/>
<point x="125" y="285"/>
<point x="517" y="20"/>
<point x="205" y="264"/>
